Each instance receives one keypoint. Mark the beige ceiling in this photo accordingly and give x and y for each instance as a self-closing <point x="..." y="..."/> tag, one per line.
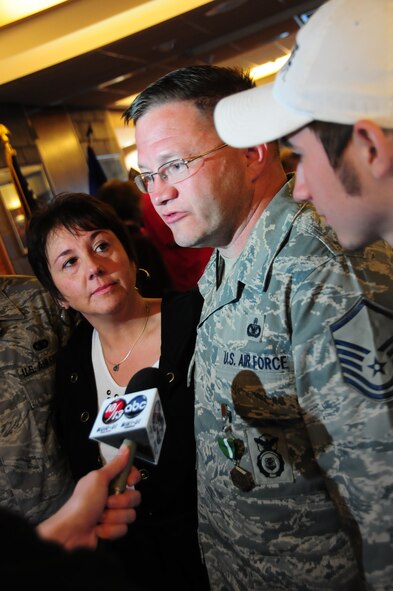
<point x="92" y="53"/>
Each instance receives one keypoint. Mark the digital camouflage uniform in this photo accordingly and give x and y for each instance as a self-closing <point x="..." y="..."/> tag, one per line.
<point x="34" y="480"/>
<point x="297" y="346"/>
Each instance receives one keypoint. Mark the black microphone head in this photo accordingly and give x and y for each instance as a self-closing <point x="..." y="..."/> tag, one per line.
<point x="146" y="378"/>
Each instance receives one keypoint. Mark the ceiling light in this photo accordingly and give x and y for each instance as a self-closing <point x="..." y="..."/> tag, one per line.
<point x="283" y="35"/>
<point x="11" y="11"/>
<point x="126" y="101"/>
<point x="268" y="68"/>
<point x="83" y="30"/>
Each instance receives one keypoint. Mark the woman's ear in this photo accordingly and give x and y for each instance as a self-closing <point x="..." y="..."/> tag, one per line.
<point x="372" y="148"/>
<point x="62" y="304"/>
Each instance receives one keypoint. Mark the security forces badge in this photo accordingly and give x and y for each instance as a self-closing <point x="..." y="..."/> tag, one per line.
<point x="364" y="343"/>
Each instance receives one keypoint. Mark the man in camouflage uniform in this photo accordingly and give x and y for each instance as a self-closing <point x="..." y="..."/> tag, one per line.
<point x="34" y="476"/>
<point x="293" y="366"/>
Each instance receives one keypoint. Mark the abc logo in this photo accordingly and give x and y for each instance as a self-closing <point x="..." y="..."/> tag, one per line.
<point x="114" y="411"/>
<point x="135" y="406"/>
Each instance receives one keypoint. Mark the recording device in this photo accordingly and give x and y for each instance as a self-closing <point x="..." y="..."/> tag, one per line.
<point x="135" y="418"/>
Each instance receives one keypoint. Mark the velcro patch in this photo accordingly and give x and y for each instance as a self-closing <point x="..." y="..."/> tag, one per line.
<point x="364" y="344"/>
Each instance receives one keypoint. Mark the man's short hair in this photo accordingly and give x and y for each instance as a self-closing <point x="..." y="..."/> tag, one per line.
<point x="203" y="85"/>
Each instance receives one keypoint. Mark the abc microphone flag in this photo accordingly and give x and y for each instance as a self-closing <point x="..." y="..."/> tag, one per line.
<point x="135" y="418"/>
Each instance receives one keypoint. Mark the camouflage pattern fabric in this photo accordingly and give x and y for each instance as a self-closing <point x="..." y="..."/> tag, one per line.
<point x="34" y="477"/>
<point x="294" y="411"/>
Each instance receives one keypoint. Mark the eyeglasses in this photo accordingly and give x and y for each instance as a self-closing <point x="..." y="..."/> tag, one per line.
<point x="171" y="172"/>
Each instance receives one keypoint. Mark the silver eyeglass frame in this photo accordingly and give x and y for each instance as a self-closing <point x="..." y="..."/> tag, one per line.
<point x="146" y="179"/>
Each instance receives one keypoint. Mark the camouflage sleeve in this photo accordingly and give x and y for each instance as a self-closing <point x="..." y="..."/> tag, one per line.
<point x="34" y="476"/>
<point x="342" y="333"/>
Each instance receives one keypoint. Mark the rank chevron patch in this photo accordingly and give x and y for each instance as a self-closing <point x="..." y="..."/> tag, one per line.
<point x="366" y="355"/>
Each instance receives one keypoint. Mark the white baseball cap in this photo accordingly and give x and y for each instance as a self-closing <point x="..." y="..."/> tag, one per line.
<point x="340" y="70"/>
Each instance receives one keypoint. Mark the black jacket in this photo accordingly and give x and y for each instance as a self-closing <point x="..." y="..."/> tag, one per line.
<point x="162" y="544"/>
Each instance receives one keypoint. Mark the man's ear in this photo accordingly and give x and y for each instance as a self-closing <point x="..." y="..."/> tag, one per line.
<point x="256" y="158"/>
<point x="373" y="148"/>
<point x="257" y="153"/>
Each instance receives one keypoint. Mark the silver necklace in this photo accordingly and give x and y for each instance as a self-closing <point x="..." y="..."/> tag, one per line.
<point x="116" y="366"/>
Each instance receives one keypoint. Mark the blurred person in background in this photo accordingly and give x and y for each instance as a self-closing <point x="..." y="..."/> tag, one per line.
<point x="126" y="200"/>
<point x="289" y="159"/>
<point x="34" y="476"/>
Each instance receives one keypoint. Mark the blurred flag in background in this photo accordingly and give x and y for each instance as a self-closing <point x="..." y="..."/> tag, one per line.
<point x="96" y="174"/>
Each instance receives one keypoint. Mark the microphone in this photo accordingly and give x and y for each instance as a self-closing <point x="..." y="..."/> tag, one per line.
<point x="136" y="418"/>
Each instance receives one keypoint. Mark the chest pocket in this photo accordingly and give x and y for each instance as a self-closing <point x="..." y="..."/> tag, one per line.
<point x="259" y="397"/>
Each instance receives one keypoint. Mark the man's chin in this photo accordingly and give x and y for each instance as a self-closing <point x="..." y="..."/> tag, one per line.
<point x="187" y="241"/>
<point x="352" y="243"/>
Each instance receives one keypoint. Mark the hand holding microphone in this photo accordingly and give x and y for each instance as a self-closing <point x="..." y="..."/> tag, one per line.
<point x="136" y="419"/>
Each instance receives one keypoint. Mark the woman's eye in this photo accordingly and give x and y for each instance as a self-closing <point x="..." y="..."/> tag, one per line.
<point x="69" y="262"/>
<point x="101" y="247"/>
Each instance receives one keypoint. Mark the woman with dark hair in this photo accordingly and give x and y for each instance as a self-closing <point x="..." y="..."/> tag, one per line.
<point x="80" y="251"/>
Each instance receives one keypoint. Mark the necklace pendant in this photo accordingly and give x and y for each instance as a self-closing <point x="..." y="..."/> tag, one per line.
<point x="117" y="365"/>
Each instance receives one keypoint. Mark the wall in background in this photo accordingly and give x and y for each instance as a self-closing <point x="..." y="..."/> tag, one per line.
<point x="55" y="140"/>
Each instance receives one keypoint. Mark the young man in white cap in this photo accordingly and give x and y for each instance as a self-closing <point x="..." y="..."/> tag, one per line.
<point x="290" y="454"/>
<point x="333" y="104"/>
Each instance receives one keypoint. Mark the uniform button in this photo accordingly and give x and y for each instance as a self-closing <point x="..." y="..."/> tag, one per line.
<point x="145" y="474"/>
<point x="74" y="377"/>
<point x="85" y="416"/>
<point x="170" y="376"/>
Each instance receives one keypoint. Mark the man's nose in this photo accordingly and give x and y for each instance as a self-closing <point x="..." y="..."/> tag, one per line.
<point x="162" y="192"/>
<point x="300" y="190"/>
